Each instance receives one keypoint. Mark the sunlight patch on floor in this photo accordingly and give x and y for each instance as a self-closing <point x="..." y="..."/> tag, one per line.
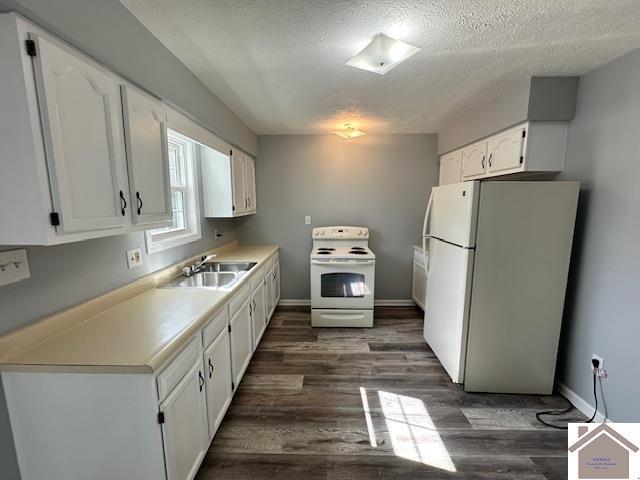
<point x="412" y="431"/>
<point x="367" y="416"/>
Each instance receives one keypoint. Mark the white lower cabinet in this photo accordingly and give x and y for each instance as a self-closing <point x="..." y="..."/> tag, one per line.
<point x="276" y="284"/>
<point x="217" y="365"/>
<point x="241" y="336"/>
<point x="184" y="430"/>
<point x="258" y="313"/>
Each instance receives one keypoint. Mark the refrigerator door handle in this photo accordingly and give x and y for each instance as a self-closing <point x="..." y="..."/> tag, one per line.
<point x="427" y="214"/>
<point x="428" y="266"/>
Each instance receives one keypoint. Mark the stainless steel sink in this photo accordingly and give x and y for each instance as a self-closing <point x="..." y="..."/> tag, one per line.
<point x="228" y="267"/>
<point x="213" y="276"/>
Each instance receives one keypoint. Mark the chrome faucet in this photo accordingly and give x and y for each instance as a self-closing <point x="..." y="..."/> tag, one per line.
<point x="196" y="267"/>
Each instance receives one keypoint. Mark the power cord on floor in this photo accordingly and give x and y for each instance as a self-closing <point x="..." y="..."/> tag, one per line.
<point x="596" y="365"/>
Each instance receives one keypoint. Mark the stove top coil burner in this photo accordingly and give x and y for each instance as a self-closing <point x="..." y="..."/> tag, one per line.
<point x="358" y="248"/>
<point x="328" y="249"/>
<point x="323" y="252"/>
<point x="358" y="252"/>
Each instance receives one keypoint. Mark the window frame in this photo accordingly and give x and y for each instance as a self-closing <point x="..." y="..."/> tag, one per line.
<point x="164" y="239"/>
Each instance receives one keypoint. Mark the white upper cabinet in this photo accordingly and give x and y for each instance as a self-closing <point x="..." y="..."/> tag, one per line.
<point x="474" y="160"/>
<point x="82" y="137"/>
<point x="535" y="147"/>
<point x="229" y="183"/>
<point x="250" y="183"/>
<point x="506" y="150"/>
<point x="145" y="124"/>
<point x="451" y="168"/>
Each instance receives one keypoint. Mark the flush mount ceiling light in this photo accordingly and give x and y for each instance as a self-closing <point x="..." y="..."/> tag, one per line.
<point x="382" y="54"/>
<point x="349" y="131"/>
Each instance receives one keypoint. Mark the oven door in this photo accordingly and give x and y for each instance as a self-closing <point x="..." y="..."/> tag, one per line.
<point x="342" y="283"/>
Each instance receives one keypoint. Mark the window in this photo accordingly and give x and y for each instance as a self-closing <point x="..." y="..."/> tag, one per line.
<point x="185" y="225"/>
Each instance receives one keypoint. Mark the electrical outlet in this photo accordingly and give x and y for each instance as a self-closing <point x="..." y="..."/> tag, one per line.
<point x="600" y="360"/>
<point x="14" y="266"/>
<point x="134" y="258"/>
<point x="216" y="233"/>
<point x="600" y="371"/>
<point x="307" y="220"/>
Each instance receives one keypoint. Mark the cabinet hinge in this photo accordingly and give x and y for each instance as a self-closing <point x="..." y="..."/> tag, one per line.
<point x="231" y="153"/>
<point x="233" y="208"/>
<point x="524" y="133"/>
<point x="31" y="48"/>
<point x="521" y="159"/>
<point x="54" y="218"/>
<point x="232" y="386"/>
<point x="160" y="417"/>
<point x="229" y="327"/>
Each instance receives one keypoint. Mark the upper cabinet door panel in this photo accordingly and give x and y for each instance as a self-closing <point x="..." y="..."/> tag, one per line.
<point x="250" y="182"/>
<point x="147" y="157"/>
<point x="238" y="174"/>
<point x="451" y="168"/>
<point x="474" y="160"/>
<point x="505" y="150"/>
<point x="83" y="139"/>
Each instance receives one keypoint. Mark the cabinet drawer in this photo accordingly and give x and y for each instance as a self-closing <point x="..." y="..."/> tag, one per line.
<point x="179" y="366"/>
<point x="257" y="278"/>
<point x="215" y="326"/>
<point x="238" y="299"/>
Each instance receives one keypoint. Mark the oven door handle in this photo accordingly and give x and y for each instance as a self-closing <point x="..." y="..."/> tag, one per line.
<point x="338" y="262"/>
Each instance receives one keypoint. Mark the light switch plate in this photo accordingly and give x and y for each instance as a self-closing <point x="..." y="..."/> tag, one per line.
<point x="134" y="258"/>
<point x="307" y="220"/>
<point x="14" y="266"/>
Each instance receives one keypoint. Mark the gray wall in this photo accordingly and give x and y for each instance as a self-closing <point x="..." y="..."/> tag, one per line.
<point x="68" y="274"/>
<point x="378" y="181"/>
<point x="602" y="313"/>
<point x="108" y="32"/>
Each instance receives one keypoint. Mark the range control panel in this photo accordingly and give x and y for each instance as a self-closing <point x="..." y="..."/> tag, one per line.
<point x="341" y="233"/>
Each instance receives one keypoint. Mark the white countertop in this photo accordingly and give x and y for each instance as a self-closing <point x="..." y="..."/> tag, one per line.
<point x="138" y="334"/>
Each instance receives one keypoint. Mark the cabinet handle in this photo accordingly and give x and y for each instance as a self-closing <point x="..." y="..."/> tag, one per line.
<point x="250" y="309"/>
<point x="123" y="203"/>
<point x="210" y="369"/>
<point x="201" y="379"/>
<point x="139" y="198"/>
<point x="482" y="163"/>
<point x="490" y="155"/>
<point x="254" y="305"/>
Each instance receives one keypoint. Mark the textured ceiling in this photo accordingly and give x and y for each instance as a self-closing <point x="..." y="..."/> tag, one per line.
<point x="280" y="64"/>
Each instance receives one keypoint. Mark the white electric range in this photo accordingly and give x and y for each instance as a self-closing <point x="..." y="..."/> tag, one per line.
<point x="342" y="277"/>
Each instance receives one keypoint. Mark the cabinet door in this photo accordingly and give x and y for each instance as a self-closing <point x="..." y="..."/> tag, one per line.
<point x="474" y="160"/>
<point x="241" y="341"/>
<point x="419" y="285"/>
<point x="276" y="284"/>
<point x="238" y="174"/>
<point x="258" y="314"/>
<point x="451" y="168"/>
<point x="217" y="364"/>
<point x="505" y="150"/>
<point x="250" y="182"/>
<point x="145" y="124"/>
<point x="268" y="293"/>
<point x="184" y="430"/>
<point x="79" y="108"/>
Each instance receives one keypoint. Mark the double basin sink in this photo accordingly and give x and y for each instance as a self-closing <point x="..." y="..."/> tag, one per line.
<point x="213" y="276"/>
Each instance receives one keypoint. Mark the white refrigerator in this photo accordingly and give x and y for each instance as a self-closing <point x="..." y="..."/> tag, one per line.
<point x="497" y="269"/>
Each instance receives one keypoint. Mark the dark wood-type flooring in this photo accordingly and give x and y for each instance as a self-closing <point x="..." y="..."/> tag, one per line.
<point x="374" y="403"/>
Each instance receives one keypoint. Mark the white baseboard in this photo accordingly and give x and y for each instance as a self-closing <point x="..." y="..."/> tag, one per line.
<point x="377" y="303"/>
<point x="580" y="403"/>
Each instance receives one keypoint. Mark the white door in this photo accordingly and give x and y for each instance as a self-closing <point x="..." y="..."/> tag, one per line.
<point x="145" y="124"/>
<point x="449" y="273"/>
<point x="258" y="314"/>
<point x="250" y="182"/>
<point x="506" y="150"/>
<point x="451" y="168"/>
<point x="276" y="284"/>
<point x="184" y="430"/>
<point x="238" y="175"/>
<point x="453" y="215"/>
<point x="79" y="108"/>
<point x="268" y="293"/>
<point x="241" y="341"/>
<point x="474" y="160"/>
<point x="217" y="365"/>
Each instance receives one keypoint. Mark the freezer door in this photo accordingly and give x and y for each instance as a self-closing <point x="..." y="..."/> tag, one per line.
<point x="454" y="212"/>
<point x="447" y="305"/>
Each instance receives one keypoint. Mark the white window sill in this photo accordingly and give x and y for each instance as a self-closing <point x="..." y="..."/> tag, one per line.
<point x="172" y="242"/>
